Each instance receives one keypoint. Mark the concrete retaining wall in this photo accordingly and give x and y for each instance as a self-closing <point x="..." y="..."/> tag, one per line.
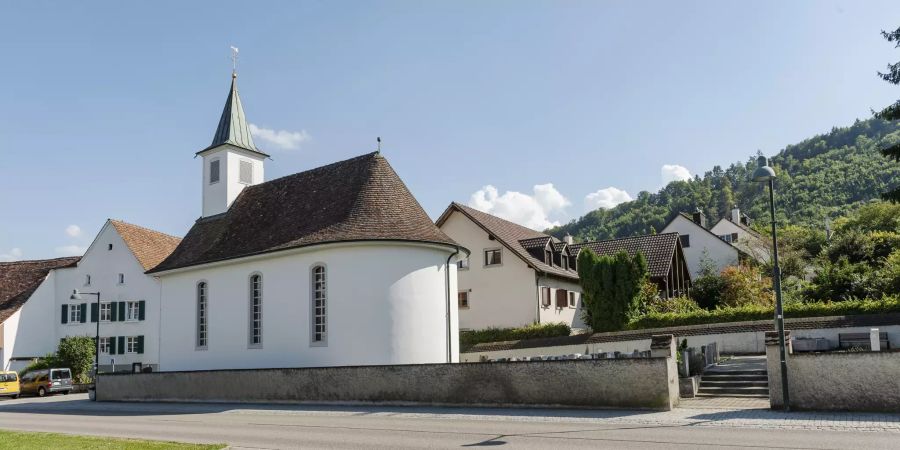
<point x="752" y="342"/>
<point x="624" y="383"/>
<point x="836" y="381"/>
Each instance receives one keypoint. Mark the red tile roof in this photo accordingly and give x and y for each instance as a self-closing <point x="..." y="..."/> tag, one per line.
<point x="658" y="249"/>
<point x="18" y="280"/>
<point x="148" y="246"/>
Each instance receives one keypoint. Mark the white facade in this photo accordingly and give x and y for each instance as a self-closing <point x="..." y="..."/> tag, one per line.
<point x="508" y="294"/>
<point x="227" y="170"/>
<point x="386" y="303"/>
<point x="746" y="241"/>
<point x="36" y="329"/>
<point x="701" y="243"/>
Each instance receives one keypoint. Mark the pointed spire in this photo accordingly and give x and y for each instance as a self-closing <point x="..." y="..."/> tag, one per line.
<point x="233" y="127"/>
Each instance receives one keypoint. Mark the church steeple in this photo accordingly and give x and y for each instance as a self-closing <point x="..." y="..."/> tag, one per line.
<point x="233" y="127"/>
<point x="231" y="162"/>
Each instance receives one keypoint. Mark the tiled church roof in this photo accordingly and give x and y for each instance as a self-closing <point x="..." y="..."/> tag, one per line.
<point x="148" y="246"/>
<point x="360" y="199"/>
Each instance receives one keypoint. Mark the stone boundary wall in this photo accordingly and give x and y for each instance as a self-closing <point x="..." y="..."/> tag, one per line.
<point x="646" y="383"/>
<point x="835" y="381"/>
<point x="732" y="338"/>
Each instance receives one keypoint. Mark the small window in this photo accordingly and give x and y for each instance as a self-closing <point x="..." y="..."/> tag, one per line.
<point x="463" y="264"/>
<point x="131" y="344"/>
<point x="132" y="311"/>
<point x="492" y="257"/>
<point x="121" y="278"/>
<point x="75" y="313"/>
<point x="565" y="261"/>
<point x="734" y="237"/>
<point x="246" y="172"/>
<point x="214" y="171"/>
<point x="562" y="298"/>
<point x="463" y="299"/>
<point x="87" y="280"/>
<point x="573" y="300"/>
<point x="104" y="345"/>
<point x="548" y="257"/>
<point x="545" y="296"/>
<point x="255" y="311"/>
<point x="110" y="247"/>
<point x="105" y="312"/>
<point x="726" y="238"/>
<point x="685" y="240"/>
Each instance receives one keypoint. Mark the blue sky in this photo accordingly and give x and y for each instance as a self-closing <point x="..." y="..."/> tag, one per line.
<point x="103" y="104"/>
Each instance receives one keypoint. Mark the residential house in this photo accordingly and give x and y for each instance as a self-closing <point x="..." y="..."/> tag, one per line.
<point x="338" y="265"/>
<point x="735" y="229"/>
<point x="701" y="246"/>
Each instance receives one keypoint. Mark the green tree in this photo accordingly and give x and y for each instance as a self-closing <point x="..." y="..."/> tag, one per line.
<point x="77" y="353"/>
<point x="612" y="288"/>
<point x="891" y="112"/>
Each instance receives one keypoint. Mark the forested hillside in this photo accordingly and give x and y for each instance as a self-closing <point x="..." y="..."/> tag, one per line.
<point x="826" y="176"/>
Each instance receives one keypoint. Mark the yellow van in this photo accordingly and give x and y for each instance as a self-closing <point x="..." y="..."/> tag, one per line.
<point x="9" y="384"/>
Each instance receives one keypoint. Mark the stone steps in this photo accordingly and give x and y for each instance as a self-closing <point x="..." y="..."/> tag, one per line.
<point x="733" y="379"/>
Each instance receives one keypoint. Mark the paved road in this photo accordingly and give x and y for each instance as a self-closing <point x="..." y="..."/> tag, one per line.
<point x="274" y="426"/>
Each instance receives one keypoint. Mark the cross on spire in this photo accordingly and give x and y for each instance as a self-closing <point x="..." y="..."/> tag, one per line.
<point x="234" y="58"/>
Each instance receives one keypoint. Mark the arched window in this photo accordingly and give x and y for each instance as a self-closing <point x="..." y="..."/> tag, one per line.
<point x="319" y="305"/>
<point x="202" y="314"/>
<point x="255" y="335"/>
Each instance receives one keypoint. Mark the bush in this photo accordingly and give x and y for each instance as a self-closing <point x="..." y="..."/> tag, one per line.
<point x="887" y="304"/>
<point x="707" y="290"/>
<point x="745" y="286"/>
<point x="544" y="330"/>
<point x="612" y="288"/>
<point x="676" y="305"/>
<point x="75" y="353"/>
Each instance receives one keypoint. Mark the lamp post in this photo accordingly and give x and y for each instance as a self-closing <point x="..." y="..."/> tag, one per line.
<point x="77" y="296"/>
<point x="764" y="174"/>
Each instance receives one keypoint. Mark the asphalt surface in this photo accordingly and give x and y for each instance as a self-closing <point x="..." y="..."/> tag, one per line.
<point x="304" y="426"/>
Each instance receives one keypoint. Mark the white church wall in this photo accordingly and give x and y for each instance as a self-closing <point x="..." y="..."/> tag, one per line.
<point x="386" y="305"/>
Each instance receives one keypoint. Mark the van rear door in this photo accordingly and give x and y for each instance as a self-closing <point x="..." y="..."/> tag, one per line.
<point x="61" y="378"/>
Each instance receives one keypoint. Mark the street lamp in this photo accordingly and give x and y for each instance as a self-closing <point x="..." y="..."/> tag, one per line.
<point x="77" y="296"/>
<point x="764" y="174"/>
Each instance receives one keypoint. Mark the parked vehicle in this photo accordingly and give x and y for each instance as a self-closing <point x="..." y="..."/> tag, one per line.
<point x="9" y="384"/>
<point x="46" y="381"/>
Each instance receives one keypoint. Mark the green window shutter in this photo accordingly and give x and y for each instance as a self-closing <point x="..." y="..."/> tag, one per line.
<point x="65" y="314"/>
<point x="95" y="312"/>
<point x="142" y="306"/>
<point x="113" y="314"/>
<point x="83" y="315"/>
<point x="140" y="344"/>
<point x="112" y="345"/>
<point x="121" y="346"/>
<point x="121" y="311"/>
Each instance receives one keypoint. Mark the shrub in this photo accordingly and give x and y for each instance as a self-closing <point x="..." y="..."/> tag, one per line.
<point x="676" y="305"/>
<point x="77" y="353"/>
<point x="707" y="290"/>
<point x="887" y="304"/>
<point x="744" y="286"/>
<point x="544" y="330"/>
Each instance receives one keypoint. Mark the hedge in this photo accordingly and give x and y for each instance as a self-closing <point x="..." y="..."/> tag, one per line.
<point x="888" y="304"/>
<point x="469" y="338"/>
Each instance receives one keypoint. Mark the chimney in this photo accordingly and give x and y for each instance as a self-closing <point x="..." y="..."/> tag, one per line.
<point x="736" y="214"/>
<point x="699" y="218"/>
<point x="568" y="239"/>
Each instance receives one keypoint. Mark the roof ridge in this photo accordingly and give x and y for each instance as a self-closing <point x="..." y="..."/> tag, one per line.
<point x="627" y="237"/>
<point x="504" y="220"/>
<point x="374" y="155"/>
<point x="37" y="261"/>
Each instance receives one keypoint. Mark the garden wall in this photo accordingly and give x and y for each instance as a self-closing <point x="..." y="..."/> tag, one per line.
<point x="622" y="383"/>
<point x="836" y="381"/>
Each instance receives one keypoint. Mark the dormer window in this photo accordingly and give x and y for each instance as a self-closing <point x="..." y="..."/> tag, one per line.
<point x="214" y="171"/>
<point x="565" y="261"/>
<point x="548" y="257"/>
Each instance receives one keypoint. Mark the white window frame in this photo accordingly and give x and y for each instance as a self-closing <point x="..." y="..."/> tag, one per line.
<point x="75" y="313"/>
<point x="131" y="344"/>
<point x="132" y="311"/>
<point x="573" y="299"/>
<point x="201" y="337"/>
<point x="218" y="164"/>
<point x="104" y="345"/>
<point x="549" y="292"/>
<point x="107" y="307"/>
<point x="245" y="163"/>
<point x="499" y="251"/>
<point x="255" y="311"/>
<point x="318" y="334"/>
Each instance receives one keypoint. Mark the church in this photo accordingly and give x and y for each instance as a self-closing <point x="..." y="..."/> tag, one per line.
<point x="338" y="265"/>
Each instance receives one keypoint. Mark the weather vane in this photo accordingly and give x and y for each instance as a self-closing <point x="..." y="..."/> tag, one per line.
<point x="379" y="142"/>
<point x="234" y="57"/>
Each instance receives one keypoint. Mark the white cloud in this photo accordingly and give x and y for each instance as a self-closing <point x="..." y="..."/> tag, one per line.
<point x="532" y="211"/>
<point x="73" y="230"/>
<point x="14" y="254"/>
<point x="284" y="139"/>
<point x="673" y="172"/>
<point x="70" y="250"/>
<point x="605" y="198"/>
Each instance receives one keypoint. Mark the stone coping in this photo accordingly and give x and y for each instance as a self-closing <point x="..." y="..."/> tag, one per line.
<point x="799" y="323"/>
